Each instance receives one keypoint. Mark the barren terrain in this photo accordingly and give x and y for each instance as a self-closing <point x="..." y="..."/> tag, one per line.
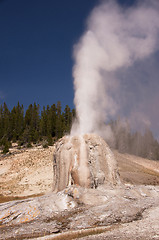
<point x="127" y="212"/>
<point x="28" y="172"/>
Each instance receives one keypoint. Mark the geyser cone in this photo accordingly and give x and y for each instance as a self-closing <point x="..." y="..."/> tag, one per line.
<point x="85" y="160"/>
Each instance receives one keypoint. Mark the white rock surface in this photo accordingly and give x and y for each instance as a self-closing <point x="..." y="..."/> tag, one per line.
<point x="86" y="161"/>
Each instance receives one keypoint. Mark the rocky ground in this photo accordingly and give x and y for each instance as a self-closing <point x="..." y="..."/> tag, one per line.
<point x="129" y="211"/>
<point x="26" y="172"/>
<point x="126" y="212"/>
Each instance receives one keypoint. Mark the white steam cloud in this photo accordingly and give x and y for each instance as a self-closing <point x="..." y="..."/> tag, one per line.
<point x="115" y="40"/>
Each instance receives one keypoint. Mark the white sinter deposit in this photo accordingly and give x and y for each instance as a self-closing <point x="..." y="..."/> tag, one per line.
<point x="85" y="160"/>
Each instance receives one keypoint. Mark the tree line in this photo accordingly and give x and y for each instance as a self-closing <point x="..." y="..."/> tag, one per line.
<point x="51" y="123"/>
<point x="33" y="126"/>
<point x="127" y="141"/>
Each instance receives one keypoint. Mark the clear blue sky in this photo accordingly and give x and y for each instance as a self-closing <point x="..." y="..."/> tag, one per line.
<point x="36" y="43"/>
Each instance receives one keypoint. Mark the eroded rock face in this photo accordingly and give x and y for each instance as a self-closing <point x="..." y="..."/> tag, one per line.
<point x="86" y="161"/>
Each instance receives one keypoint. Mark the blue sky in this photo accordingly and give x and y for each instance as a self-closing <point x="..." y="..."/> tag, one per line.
<point x="36" y="45"/>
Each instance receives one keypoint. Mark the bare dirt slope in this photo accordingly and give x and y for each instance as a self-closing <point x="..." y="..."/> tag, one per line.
<point x="137" y="170"/>
<point x="29" y="171"/>
<point x="26" y="172"/>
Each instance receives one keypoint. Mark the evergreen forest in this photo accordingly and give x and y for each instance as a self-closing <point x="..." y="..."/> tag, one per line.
<point x="33" y="126"/>
<point x="139" y="143"/>
<point x="46" y="126"/>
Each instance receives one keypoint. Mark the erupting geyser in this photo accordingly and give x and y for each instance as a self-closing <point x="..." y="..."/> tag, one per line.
<point x="114" y="40"/>
<point x="84" y="160"/>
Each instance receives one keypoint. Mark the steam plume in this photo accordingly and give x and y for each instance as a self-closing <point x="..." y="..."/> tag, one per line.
<point x="115" y="40"/>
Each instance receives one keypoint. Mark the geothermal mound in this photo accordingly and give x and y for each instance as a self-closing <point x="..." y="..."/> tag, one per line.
<point x="85" y="160"/>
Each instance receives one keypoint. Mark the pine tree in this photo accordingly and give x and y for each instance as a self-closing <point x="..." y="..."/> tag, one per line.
<point x="17" y="122"/>
<point x="27" y="134"/>
<point x="35" y="123"/>
<point x="49" y="125"/>
<point x="43" y="123"/>
<point x="67" y="119"/>
<point x="6" y="147"/>
<point x="6" y="122"/>
<point x="53" y="118"/>
<point x="59" y="121"/>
